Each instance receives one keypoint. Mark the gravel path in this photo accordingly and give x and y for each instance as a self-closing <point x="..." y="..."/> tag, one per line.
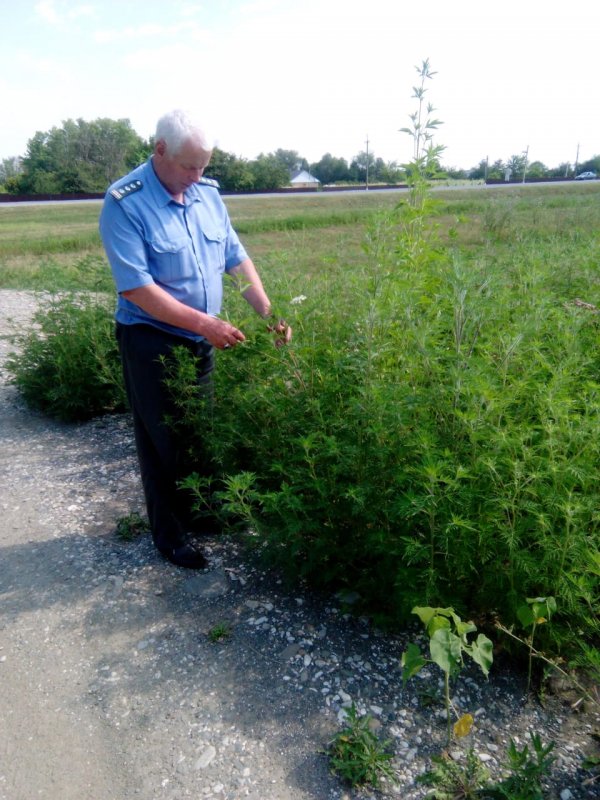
<point x="112" y="688"/>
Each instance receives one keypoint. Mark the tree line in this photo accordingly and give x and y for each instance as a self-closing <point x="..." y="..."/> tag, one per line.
<point x="85" y="157"/>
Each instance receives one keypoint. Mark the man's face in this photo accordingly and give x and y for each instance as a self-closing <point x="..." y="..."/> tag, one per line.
<point x="179" y="171"/>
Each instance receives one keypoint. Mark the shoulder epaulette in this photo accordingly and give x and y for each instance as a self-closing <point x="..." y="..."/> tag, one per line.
<point x="210" y="182"/>
<point x="127" y="189"/>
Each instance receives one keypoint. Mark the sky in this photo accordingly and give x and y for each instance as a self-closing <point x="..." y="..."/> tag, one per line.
<point x="315" y="76"/>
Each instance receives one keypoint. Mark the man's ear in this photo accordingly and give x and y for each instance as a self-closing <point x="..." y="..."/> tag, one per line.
<point x="160" y="148"/>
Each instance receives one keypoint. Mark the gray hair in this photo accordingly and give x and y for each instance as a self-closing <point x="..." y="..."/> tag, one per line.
<point x="177" y="127"/>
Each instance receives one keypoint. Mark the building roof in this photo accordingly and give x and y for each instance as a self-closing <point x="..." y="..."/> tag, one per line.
<point x="304" y="177"/>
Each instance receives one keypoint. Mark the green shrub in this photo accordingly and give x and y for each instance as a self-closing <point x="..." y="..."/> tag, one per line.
<point x="68" y="365"/>
<point x="431" y="432"/>
<point x="430" y="435"/>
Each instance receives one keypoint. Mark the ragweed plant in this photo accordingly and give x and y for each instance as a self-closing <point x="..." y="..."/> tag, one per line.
<point x="430" y="434"/>
<point x="358" y="756"/>
<point x="219" y="632"/>
<point x="534" y="612"/>
<point x="453" y="780"/>
<point x="131" y="527"/>
<point x="67" y="364"/>
<point x="425" y="162"/>
<point x="538" y="611"/>
<point x="527" y="770"/>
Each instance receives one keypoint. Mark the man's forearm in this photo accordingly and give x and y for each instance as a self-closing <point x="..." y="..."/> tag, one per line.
<point x="252" y="288"/>
<point x="165" y="308"/>
<point x="161" y="305"/>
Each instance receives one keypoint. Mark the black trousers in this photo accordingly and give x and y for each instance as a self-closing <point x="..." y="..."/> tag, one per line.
<point x="162" y="452"/>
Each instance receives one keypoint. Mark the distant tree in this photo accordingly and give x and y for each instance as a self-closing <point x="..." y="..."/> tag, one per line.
<point x="234" y="174"/>
<point x="330" y="169"/>
<point x="81" y="156"/>
<point x="290" y="159"/>
<point x="390" y="172"/>
<point x="563" y="170"/>
<point x="537" y="170"/>
<point x="516" y="165"/>
<point x="12" y="185"/>
<point x="37" y="168"/>
<point x="359" y="164"/>
<point x="268" y="173"/>
<point x="480" y="172"/>
<point x="10" y="168"/>
<point x="377" y="170"/>
<point x="456" y="173"/>
<point x="591" y="165"/>
<point x="137" y="156"/>
<point x="496" y="170"/>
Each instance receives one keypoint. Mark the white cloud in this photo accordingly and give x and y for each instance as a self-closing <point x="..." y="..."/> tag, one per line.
<point x="55" y="13"/>
<point x="145" y="31"/>
<point x="46" y="10"/>
<point x="82" y="11"/>
<point x="43" y="72"/>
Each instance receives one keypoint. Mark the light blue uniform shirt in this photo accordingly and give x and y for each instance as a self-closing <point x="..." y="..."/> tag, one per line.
<point x="151" y="238"/>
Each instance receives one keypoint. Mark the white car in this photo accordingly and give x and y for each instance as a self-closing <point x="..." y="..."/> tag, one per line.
<point x="585" y="176"/>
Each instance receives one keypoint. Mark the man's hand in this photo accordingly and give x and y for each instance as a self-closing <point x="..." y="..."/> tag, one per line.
<point x="160" y="304"/>
<point x="222" y="334"/>
<point x="282" y="331"/>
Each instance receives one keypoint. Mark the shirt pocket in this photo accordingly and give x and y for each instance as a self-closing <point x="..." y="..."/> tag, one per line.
<point x="171" y="259"/>
<point x="214" y="247"/>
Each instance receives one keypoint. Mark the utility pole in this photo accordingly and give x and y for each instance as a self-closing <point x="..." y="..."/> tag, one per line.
<point x="367" y="184"/>
<point x="526" y="153"/>
<point x="576" y="161"/>
<point x="485" y="170"/>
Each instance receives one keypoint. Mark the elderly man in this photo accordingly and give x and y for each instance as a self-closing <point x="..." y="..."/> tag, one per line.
<point x="169" y="241"/>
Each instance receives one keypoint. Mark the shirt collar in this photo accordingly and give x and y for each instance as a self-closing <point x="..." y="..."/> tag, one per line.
<point x="161" y="195"/>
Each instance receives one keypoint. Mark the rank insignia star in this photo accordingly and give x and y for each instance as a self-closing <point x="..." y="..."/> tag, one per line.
<point x="210" y="182"/>
<point x="124" y="191"/>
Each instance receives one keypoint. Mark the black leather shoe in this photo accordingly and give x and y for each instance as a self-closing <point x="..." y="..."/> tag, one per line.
<point x="187" y="555"/>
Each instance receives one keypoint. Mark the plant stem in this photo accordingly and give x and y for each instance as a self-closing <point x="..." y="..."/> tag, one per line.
<point x="447" y="698"/>
<point x="537" y="654"/>
<point x="530" y="664"/>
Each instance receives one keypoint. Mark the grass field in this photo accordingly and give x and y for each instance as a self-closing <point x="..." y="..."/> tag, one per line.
<point x="41" y="245"/>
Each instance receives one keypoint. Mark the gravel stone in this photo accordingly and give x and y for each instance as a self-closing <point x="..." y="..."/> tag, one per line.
<point x="108" y="670"/>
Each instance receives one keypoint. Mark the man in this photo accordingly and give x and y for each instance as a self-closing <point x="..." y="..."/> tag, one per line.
<point x="169" y="241"/>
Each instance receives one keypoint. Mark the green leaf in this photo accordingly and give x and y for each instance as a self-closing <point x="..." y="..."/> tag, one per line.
<point x="541" y="608"/>
<point x="482" y="653"/>
<point x="438" y="623"/>
<point x="463" y="628"/>
<point x="445" y="648"/>
<point x="551" y="605"/>
<point x="593" y="561"/>
<point x="434" y="618"/>
<point x="412" y="662"/>
<point x="525" y="615"/>
<point x="425" y="614"/>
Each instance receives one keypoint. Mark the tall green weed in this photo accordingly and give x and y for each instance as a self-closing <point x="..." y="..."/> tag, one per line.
<point x="430" y="435"/>
<point x="67" y="365"/>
